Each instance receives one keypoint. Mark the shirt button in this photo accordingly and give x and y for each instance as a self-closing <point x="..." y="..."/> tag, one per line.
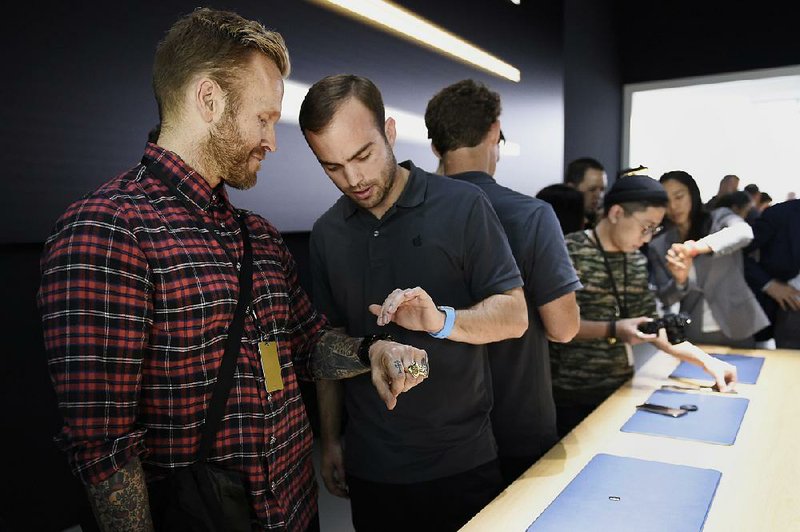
<point x="376" y="233"/>
<point x="272" y="440"/>
<point x="269" y="397"/>
<point x="272" y="486"/>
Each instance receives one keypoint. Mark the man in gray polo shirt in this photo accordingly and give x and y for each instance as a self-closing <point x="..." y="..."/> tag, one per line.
<point x="464" y="128"/>
<point x="430" y="462"/>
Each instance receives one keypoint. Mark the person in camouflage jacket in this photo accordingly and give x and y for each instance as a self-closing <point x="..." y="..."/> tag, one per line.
<point x="615" y="300"/>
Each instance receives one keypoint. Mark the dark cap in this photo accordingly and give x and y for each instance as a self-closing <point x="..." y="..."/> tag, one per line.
<point x="635" y="188"/>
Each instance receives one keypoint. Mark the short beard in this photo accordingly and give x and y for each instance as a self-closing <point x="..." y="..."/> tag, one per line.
<point x="389" y="174"/>
<point x="225" y="153"/>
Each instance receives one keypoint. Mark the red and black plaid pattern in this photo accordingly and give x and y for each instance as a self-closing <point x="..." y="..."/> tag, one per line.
<point x="136" y="298"/>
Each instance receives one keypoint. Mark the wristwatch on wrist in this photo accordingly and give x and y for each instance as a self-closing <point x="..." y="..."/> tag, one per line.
<point x="366" y="343"/>
<point x="449" y="322"/>
<point x="611" y="336"/>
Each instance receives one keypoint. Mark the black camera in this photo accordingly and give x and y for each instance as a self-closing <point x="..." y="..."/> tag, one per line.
<point x="673" y="323"/>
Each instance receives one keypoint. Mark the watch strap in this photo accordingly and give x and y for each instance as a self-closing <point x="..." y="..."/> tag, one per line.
<point x="366" y="343"/>
<point x="449" y="322"/>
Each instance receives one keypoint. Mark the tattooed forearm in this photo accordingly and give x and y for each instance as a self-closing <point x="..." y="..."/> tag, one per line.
<point x="336" y="357"/>
<point x="120" y="502"/>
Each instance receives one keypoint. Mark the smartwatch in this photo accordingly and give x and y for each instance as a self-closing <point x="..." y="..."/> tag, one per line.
<point x="449" y="322"/>
<point x="611" y="337"/>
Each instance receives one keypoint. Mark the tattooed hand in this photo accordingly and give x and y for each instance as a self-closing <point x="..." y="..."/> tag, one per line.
<point x="336" y="357"/>
<point x="390" y="362"/>
<point x="120" y="502"/>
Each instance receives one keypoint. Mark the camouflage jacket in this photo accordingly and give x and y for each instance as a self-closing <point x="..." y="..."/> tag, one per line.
<point x="585" y="372"/>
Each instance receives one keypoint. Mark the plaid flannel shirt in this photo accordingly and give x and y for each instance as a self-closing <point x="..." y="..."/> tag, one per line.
<point x="136" y="297"/>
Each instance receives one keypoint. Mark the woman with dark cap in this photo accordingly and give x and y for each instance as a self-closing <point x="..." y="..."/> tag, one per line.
<point x="616" y="299"/>
<point x="697" y="262"/>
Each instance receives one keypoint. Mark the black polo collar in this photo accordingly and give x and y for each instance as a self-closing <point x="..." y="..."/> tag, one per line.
<point x="474" y="177"/>
<point x="413" y="194"/>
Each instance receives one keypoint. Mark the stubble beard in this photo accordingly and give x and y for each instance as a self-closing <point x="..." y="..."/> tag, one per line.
<point x="388" y="175"/>
<point x="226" y="153"/>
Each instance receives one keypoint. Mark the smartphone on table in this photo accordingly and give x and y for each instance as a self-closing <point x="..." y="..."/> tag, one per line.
<point x="661" y="409"/>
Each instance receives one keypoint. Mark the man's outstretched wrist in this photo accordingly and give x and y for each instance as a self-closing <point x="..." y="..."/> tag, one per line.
<point x="366" y="343"/>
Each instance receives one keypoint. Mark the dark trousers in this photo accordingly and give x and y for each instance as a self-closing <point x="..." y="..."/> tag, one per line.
<point x="787" y="329"/>
<point x="436" y="505"/>
<point x="313" y="526"/>
<point x="157" y="498"/>
<point x="764" y="334"/>
<point x="569" y="416"/>
<point x="512" y="467"/>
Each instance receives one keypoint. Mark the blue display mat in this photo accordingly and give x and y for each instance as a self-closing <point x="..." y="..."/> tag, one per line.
<point x="716" y="420"/>
<point x="747" y="369"/>
<point x="615" y="493"/>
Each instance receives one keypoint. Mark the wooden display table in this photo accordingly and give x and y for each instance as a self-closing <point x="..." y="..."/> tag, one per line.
<point x="760" y="485"/>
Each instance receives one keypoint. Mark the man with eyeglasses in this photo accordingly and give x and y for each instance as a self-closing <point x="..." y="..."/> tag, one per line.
<point x="615" y="300"/>
<point x="649" y="230"/>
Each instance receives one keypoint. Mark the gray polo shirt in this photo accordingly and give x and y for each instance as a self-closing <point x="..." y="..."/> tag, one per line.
<point x="444" y="236"/>
<point x="524" y="414"/>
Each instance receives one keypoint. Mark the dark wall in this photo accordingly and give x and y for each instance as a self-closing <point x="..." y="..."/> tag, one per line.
<point x="79" y="102"/>
<point x="592" y="83"/>
<point x="37" y="490"/>
<point x="530" y="35"/>
<point x="667" y="39"/>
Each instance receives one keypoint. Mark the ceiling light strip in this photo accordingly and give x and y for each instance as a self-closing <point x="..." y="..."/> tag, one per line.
<point x="397" y="20"/>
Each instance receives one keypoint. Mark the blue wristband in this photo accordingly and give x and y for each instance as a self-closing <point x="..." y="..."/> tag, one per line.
<point x="449" y="322"/>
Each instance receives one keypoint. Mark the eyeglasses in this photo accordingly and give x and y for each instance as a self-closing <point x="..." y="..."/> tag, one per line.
<point x="651" y="230"/>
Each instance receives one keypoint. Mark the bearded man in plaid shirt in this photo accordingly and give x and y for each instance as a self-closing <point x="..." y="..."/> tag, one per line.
<point x="140" y="281"/>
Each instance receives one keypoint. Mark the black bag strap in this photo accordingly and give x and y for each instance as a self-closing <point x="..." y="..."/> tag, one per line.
<point x="227" y="367"/>
<point x="219" y="397"/>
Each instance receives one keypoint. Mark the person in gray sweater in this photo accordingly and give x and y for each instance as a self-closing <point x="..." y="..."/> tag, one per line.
<point x="697" y="262"/>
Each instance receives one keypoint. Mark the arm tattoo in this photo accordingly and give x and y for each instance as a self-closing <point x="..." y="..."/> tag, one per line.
<point x="398" y="366"/>
<point x="336" y="357"/>
<point x="120" y="502"/>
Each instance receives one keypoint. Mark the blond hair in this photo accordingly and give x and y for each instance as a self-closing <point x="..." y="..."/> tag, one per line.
<point x="213" y="43"/>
